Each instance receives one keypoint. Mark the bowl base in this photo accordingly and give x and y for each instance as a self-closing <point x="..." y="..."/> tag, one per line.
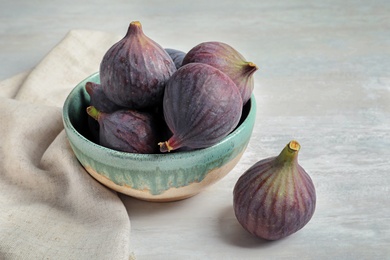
<point x="172" y="194"/>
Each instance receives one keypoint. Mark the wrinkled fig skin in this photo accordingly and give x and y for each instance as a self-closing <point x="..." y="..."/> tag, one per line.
<point x="275" y="197"/>
<point x="133" y="72"/>
<point x="224" y="57"/>
<point x="126" y="130"/>
<point x="177" y="56"/>
<point x="201" y="105"/>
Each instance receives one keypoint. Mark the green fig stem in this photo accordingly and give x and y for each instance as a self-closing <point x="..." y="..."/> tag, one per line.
<point x="289" y="154"/>
<point x="93" y="112"/>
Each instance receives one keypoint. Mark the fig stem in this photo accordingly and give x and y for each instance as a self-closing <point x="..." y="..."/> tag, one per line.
<point x="289" y="154"/>
<point x="93" y="112"/>
<point x="136" y="23"/>
<point x="165" y="147"/>
<point x="134" y="28"/>
<point x="294" y="146"/>
<point x="250" y="68"/>
<point x="251" y="64"/>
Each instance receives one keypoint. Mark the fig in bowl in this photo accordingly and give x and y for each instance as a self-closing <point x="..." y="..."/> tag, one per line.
<point x="155" y="176"/>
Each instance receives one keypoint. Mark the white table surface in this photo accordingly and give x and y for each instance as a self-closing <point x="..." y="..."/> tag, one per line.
<point x="324" y="80"/>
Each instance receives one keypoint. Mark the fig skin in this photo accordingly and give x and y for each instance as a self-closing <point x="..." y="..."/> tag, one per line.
<point x="225" y="58"/>
<point x="133" y="72"/>
<point x="99" y="100"/>
<point x="201" y="106"/>
<point x="126" y="130"/>
<point x="176" y="55"/>
<point x="275" y="197"/>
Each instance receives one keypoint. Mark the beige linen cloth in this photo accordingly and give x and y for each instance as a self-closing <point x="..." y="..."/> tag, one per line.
<point x="50" y="208"/>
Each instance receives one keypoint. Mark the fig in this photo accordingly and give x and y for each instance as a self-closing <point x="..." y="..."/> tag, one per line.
<point x="98" y="99"/>
<point x="126" y="130"/>
<point x="224" y="57"/>
<point x="201" y="106"/>
<point x="133" y="72"/>
<point x="176" y="55"/>
<point x="275" y="197"/>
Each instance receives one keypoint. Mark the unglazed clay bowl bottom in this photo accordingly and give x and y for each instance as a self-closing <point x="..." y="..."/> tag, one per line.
<point x="153" y="177"/>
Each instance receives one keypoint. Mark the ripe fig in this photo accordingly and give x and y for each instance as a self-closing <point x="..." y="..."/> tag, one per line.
<point x="98" y="99"/>
<point x="177" y="56"/>
<point x="201" y="106"/>
<point x="275" y="197"/>
<point x="133" y="72"/>
<point x="126" y="130"/>
<point x="225" y="58"/>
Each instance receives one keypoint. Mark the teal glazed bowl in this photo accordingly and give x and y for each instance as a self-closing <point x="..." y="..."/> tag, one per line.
<point x="153" y="177"/>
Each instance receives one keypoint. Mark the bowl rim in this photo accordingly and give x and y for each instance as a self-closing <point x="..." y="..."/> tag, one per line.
<point x="148" y="157"/>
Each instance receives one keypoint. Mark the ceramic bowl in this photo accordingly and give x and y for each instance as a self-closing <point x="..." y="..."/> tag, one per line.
<point x="153" y="177"/>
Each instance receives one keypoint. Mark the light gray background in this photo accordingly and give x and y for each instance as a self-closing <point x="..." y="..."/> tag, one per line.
<point x="323" y="79"/>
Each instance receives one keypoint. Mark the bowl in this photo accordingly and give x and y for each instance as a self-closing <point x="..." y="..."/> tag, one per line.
<point x="153" y="177"/>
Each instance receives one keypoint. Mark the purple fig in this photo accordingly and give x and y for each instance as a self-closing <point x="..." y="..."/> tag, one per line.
<point x="177" y="56"/>
<point x="201" y="106"/>
<point x="98" y="99"/>
<point x="224" y="57"/>
<point x="275" y="197"/>
<point x="126" y="130"/>
<point x="134" y="70"/>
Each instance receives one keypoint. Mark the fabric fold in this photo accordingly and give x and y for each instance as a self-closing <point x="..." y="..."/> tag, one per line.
<point x="51" y="208"/>
<point x="77" y="56"/>
<point x="10" y="87"/>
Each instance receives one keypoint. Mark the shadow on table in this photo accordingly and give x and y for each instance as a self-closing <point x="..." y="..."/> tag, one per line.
<point x="234" y="234"/>
<point x="143" y="208"/>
